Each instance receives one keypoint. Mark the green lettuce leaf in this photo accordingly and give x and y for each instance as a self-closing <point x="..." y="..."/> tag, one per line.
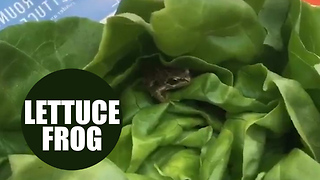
<point x="195" y="28"/>
<point x="295" y="166"/>
<point x="304" y="49"/>
<point x="142" y="8"/>
<point x="29" y="167"/>
<point x="215" y="156"/>
<point x="251" y="111"/>
<point x="29" y="52"/>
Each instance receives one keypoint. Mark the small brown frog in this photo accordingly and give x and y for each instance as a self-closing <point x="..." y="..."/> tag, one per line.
<point x="159" y="80"/>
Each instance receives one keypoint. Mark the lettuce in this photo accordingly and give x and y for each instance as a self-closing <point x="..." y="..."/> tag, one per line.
<point x="252" y="112"/>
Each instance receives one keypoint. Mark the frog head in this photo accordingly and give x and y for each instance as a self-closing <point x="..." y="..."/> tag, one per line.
<point x="177" y="78"/>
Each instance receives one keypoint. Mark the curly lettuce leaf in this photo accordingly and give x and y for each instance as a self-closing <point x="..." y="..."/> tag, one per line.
<point x="207" y="87"/>
<point x="299" y="105"/>
<point x="215" y="156"/>
<point x="272" y="16"/>
<point x="304" y="49"/>
<point x="120" y="43"/>
<point x="165" y="124"/>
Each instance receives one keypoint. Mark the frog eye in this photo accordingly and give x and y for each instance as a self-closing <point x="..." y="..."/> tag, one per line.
<point x="173" y="81"/>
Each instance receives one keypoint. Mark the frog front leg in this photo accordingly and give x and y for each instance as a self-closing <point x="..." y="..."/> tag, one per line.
<point x="159" y="95"/>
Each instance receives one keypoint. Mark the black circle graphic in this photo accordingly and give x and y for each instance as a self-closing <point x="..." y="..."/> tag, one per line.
<point x="71" y="119"/>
